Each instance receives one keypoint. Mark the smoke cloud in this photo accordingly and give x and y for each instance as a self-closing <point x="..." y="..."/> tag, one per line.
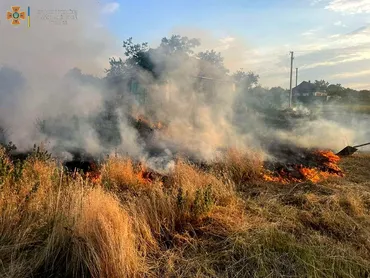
<point x="51" y="90"/>
<point x="35" y="60"/>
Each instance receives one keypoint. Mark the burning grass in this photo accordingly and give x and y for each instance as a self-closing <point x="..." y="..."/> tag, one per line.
<point x="124" y="220"/>
<point x="313" y="166"/>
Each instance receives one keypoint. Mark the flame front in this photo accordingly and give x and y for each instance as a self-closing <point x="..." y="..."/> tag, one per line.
<point x="325" y="166"/>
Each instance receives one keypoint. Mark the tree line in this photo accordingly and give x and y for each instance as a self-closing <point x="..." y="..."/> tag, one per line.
<point x="342" y="94"/>
<point x="139" y="56"/>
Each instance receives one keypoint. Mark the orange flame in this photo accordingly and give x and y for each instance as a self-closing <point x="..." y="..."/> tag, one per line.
<point x="94" y="177"/>
<point x="326" y="167"/>
<point x="144" y="176"/>
<point x="94" y="174"/>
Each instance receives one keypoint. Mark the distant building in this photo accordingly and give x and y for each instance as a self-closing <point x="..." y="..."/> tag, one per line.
<point x="306" y="93"/>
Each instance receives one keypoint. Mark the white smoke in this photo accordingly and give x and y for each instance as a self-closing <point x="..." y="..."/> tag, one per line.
<point x="34" y="86"/>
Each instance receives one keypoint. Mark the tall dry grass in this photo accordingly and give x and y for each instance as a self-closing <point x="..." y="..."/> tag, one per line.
<point x="220" y="222"/>
<point x="52" y="226"/>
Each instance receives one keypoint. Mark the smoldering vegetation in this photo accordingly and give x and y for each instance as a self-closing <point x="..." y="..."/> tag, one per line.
<point x="56" y="92"/>
<point x="223" y="220"/>
<point x="201" y="111"/>
<point x="173" y="161"/>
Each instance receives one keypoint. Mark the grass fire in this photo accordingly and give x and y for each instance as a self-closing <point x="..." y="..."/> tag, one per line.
<point x="315" y="166"/>
<point x="220" y="218"/>
<point x="167" y="158"/>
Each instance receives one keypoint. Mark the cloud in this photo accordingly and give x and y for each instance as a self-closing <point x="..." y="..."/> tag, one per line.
<point x="345" y="58"/>
<point x="319" y="57"/>
<point x="314" y="2"/>
<point x="360" y="30"/>
<point x="346" y="75"/>
<point x="349" y="6"/>
<point x="311" y="32"/>
<point x="226" y="43"/>
<point x="340" y="23"/>
<point x="359" y="86"/>
<point x="110" y="8"/>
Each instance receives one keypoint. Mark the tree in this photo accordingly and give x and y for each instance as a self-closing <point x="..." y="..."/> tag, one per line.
<point x="137" y="57"/>
<point x="211" y="64"/>
<point x="364" y="96"/>
<point x="335" y="90"/>
<point x="76" y="75"/>
<point x="321" y="85"/>
<point x="245" y="80"/>
<point x="117" y="67"/>
<point x="278" y="95"/>
<point x="178" y="44"/>
<point x="133" y="50"/>
<point x="140" y="56"/>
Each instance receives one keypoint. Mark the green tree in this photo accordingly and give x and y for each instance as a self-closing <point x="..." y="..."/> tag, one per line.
<point x="335" y="90"/>
<point x="364" y="96"/>
<point x="321" y="85"/>
<point x="117" y="67"/>
<point x="137" y="56"/>
<point x="245" y="80"/>
<point x="140" y="56"/>
<point x="211" y="64"/>
<point x="177" y="44"/>
<point x="132" y="50"/>
<point x="278" y="95"/>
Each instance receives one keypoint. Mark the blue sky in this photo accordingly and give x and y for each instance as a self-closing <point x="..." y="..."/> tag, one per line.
<point x="330" y="37"/>
<point x="146" y="20"/>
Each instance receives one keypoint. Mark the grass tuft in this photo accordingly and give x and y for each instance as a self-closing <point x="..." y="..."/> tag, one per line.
<point x="221" y="222"/>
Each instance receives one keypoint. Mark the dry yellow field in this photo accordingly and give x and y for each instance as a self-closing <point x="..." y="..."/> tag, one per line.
<point x="221" y="222"/>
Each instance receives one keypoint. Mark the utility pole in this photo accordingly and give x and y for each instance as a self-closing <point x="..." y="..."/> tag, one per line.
<point x="296" y="77"/>
<point x="291" y="78"/>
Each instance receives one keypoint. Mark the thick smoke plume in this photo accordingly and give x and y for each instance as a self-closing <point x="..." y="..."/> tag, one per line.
<point x="51" y="91"/>
<point x="35" y="60"/>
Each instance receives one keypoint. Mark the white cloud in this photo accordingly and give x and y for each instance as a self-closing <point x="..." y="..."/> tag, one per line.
<point x="356" y="38"/>
<point x="351" y="74"/>
<point x="349" y="6"/>
<point x="225" y="43"/>
<point x="322" y="56"/>
<point x="314" y="2"/>
<point x="358" y="86"/>
<point x="311" y="32"/>
<point x="110" y="8"/>
<point x="340" y="23"/>
<point x="307" y="33"/>
<point x="227" y="40"/>
<point x="340" y="59"/>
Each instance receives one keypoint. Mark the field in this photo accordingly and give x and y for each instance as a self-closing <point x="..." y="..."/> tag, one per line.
<point x="218" y="221"/>
<point x="354" y="108"/>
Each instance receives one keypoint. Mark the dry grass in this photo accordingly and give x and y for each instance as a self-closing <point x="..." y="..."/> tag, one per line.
<point x="240" y="168"/>
<point x="52" y="227"/>
<point x="119" y="174"/>
<point x="223" y="222"/>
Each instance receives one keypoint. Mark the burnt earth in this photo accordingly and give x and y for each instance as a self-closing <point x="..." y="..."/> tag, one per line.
<point x="288" y="160"/>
